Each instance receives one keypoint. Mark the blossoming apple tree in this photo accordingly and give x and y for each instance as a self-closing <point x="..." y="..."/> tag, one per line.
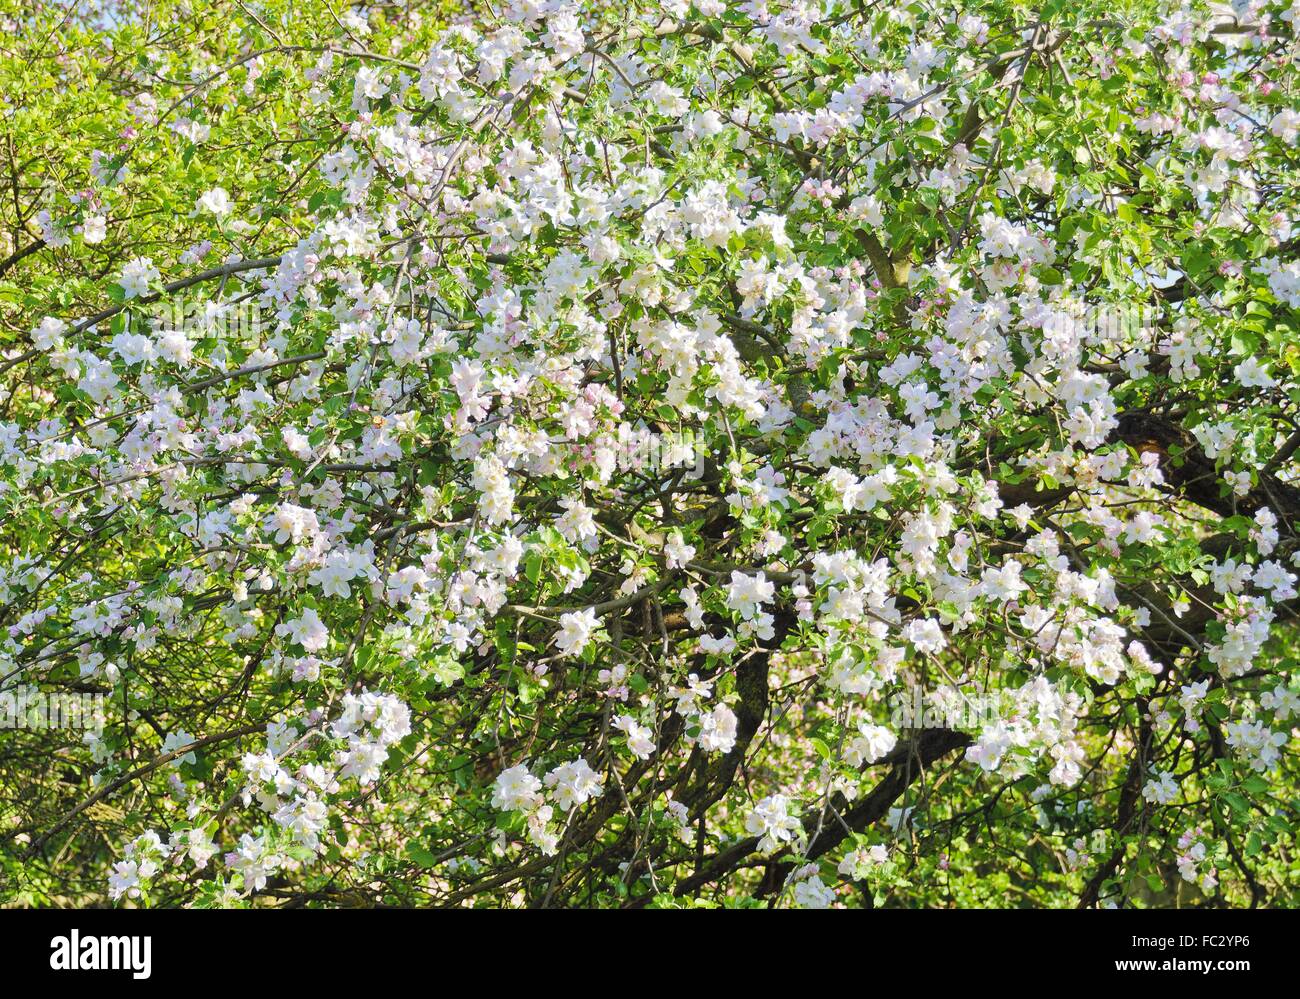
<point x="569" y="453"/>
